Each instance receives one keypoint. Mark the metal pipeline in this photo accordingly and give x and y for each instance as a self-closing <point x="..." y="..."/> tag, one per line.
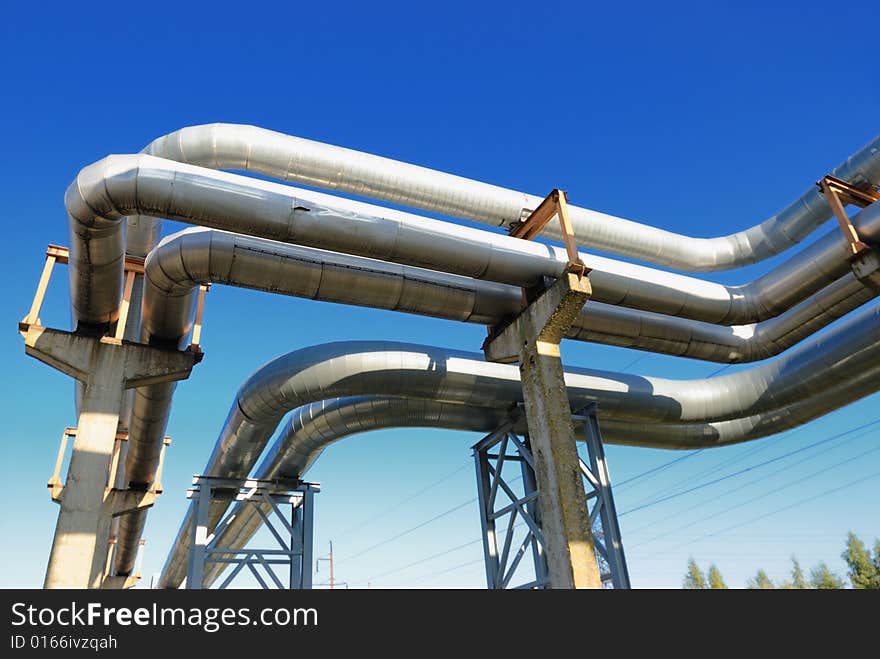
<point x="297" y="160"/>
<point x="121" y="185"/>
<point x="97" y="202"/>
<point x="198" y="256"/>
<point x="833" y="361"/>
<point x="312" y="428"/>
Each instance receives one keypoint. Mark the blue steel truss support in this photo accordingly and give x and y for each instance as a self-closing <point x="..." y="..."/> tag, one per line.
<point x="510" y="519"/>
<point x="292" y="531"/>
<point x="600" y="502"/>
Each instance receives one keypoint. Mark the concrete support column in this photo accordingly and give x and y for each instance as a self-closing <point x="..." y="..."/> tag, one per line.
<point x="533" y="340"/>
<point x="106" y="367"/>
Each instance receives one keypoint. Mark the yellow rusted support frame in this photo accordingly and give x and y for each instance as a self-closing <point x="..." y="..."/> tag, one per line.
<point x="134" y="268"/>
<point x="119" y="582"/>
<point x="554" y="204"/>
<point x="839" y="193"/>
<point x="195" y="343"/>
<point x="56" y="254"/>
<point x="120" y="501"/>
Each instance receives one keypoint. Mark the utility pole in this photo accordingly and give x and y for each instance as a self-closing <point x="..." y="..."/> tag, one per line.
<point x="329" y="558"/>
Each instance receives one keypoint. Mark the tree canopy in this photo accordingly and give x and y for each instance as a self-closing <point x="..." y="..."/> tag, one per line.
<point x="863" y="572"/>
<point x="716" y="581"/>
<point x="694" y="579"/>
<point x="864" y="569"/>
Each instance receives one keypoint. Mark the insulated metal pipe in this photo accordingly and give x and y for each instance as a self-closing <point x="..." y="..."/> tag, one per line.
<point x="297" y="160"/>
<point x="832" y="361"/>
<point x="156" y="413"/>
<point x="96" y="232"/>
<point x="645" y="330"/>
<point x="198" y="256"/>
<point x="118" y="185"/>
<point x="312" y="428"/>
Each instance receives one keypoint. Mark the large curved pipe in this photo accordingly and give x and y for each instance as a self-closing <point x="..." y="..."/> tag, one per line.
<point x="312" y="428"/>
<point x="194" y="257"/>
<point x="97" y="253"/>
<point x="197" y="256"/>
<point x="105" y="192"/>
<point x="659" y="333"/>
<point x="293" y="159"/>
<point x="827" y="363"/>
<point x="94" y="191"/>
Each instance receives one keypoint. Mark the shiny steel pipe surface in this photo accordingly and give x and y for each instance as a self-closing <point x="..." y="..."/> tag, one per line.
<point x="297" y="160"/>
<point x="183" y="261"/>
<point x="826" y="363"/>
<point x="155" y="413"/>
<point x="175" y="268"/>
<point x="198" y="256"/>
<point x="312" y="428"/>
<point x="118" y="185"/>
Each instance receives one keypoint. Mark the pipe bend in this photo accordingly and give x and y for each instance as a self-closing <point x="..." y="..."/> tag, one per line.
<point x="297" y="160"/>
<point x="104" y="192"/>
<point x="312" y="428"/>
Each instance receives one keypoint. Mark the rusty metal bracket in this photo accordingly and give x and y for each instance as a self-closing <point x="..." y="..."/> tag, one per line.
<point x="134" y="268"/>
<point x="839" y="193"/>
<point x="121" y="500"/>
<point x="195" y="344"/>
<point x="120" y="582"/>
<point x="554" y="204"/>
<point x="56" y="254"/>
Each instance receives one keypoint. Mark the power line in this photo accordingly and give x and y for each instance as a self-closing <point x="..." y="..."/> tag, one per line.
<point x="437" y="573"/>
<point x="733" y="490"/>
<point x="739" y="505"/>
<point x="754" y="519"/>
<point x="451" y="510"/>
<point x="760" y="496"/>
<point x="473" y="542"/>
<point x="404" y="501"/>
<point x="760" y="448"/>
<point x="796" y="503"/>
<point x="657" y="468"/>
<point x="720" y="370"/>
<point x="631" y="479"/>
<point x="411" y="529"/>
<point x="425" y="559"/>
<point x="636" y="361"/>
<point x="425" y="523"/>
<point x="746" y="470"/>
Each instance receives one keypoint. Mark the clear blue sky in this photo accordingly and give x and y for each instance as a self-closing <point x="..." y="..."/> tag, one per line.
<point x="701" y="118"/>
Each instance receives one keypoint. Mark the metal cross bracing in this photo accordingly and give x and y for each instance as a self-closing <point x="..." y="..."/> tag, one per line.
<point x="292" y="530"/>
<point x="513" y="545"/>
<point x="600" y="502"/>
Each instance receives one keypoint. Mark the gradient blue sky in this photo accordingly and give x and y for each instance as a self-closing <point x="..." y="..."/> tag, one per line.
<point x="702" y="118"/>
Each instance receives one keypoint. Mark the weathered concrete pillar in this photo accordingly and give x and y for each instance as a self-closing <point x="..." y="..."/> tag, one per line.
<point x="533" y="340"/>
<point x="106" y="367"/>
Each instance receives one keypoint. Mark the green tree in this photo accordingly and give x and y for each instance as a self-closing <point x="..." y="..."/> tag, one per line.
<point x="761" y="581"/>
<point x="694" y="578"/>
<point x="798" y="580"/>
<point x="864" y="572"/>
<point x="824" y="579"/>
<point x="716" y="581"/>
